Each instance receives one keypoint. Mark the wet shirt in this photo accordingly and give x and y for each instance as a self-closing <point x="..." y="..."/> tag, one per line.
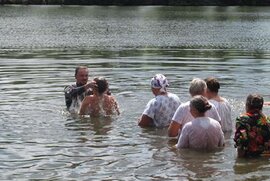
<point x="225" y="113"/>
<point x="161" y="109"/>
<point x="74" y="94"/>
<point x="252" y="134"/>
<point x="183" y="115"/>
<point x="201" y="133"/>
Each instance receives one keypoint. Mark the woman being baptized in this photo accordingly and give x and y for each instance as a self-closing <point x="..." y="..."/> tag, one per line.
<point x="100" y="103"/>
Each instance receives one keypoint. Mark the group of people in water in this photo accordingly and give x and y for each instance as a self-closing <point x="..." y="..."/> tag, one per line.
<point x="198" y="124"/>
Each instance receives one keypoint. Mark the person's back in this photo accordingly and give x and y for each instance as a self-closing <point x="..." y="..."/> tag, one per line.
<point x="224" y="110"/>
<point x="163" y="108"/>
<point x="101" y="106"/>
<point x="222" y="105"/>
<point x="100" y="103"/>
<point x="182" y="114"/>
<point x="201" y="133"/>
<point x="252" y="134"/>
<point x="159" y="110"/>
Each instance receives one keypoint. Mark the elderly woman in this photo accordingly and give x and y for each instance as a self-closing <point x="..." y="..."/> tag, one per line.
<point x="222" y="105"/>
<point x="202" y="132"/>
<point x="159" y="110"/>
<point x="100" y="103"/>
<point x="252" y="135"/>
<point x="183" y="115"/>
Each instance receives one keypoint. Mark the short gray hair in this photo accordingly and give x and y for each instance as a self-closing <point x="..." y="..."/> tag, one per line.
<point x="197" y="87"/>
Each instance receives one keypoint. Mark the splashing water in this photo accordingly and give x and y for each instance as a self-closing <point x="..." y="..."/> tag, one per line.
<point x="75" y="106"/>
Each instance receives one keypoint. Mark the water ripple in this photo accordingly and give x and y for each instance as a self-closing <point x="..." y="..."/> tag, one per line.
<point x="40" y="140"/>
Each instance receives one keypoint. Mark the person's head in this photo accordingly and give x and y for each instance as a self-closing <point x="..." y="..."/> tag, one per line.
<point x="199" y="105"/>
<point x="102" y="84"/>
<point x="197" y="87"/>
<point x="159" y="84"/>
<point x="254" y="103"/>
<point x="81" y="75"/>
<point x="212" y="87"/>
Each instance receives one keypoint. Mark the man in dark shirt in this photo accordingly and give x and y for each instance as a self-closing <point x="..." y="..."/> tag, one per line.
<point x="74" y="94"/>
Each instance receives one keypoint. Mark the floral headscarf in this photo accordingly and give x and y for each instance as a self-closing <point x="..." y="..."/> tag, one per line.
<point x="159" y="81"/>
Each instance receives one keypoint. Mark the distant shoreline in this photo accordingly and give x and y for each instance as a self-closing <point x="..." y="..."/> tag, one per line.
<point x="142" y="2"/>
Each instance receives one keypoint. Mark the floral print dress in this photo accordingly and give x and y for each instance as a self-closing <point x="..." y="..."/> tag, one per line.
<point x="252" y="134"/>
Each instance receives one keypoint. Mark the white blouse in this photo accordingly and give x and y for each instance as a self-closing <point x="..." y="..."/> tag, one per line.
<point x="201" y="133"/>
<point x="225" y="113"/>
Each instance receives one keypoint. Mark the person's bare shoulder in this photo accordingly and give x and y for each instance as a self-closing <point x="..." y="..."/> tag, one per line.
<point x="109" y="97"/>
<point x="88" y="99"/>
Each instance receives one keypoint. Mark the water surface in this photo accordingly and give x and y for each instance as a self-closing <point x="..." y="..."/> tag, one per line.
<point x="41" y="45"/>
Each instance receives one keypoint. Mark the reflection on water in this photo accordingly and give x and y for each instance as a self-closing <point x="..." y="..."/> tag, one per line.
<point x="87" y="125"/>
<point x="200" y="164"/>
<point x="244" y="168"/>
<point x="41" y="45"/>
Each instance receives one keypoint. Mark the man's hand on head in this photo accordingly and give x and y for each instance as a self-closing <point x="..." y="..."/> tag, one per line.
<point x="91" y="85"/>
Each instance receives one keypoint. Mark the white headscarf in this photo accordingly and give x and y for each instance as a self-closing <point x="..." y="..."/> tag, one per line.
<point x="159" y="81"/>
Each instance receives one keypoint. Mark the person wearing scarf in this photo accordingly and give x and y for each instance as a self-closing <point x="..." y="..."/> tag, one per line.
<point x="159" y="110"/>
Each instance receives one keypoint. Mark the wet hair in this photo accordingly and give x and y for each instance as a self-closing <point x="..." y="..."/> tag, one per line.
<point x="212" y="84"/>
<point x="78" y="68"/>
<point x="200" y="103"/>
<point x="102" y="84"/>
<point x="254" y="102"/>
<point x="197" y="87"/>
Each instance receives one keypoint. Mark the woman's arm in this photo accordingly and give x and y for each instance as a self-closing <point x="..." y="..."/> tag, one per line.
<point x="174" y="128"/>
<point x="183" y="141"/>
<point x="145" y="121"/>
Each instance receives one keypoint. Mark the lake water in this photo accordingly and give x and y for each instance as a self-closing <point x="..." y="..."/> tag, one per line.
<point x="40" y="46"/>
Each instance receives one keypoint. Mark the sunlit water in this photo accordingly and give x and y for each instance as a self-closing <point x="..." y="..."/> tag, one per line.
<point x="41" y="45"/>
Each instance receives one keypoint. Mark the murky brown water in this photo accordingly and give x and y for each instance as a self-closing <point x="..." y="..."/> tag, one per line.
<point x="41" y="45"/>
